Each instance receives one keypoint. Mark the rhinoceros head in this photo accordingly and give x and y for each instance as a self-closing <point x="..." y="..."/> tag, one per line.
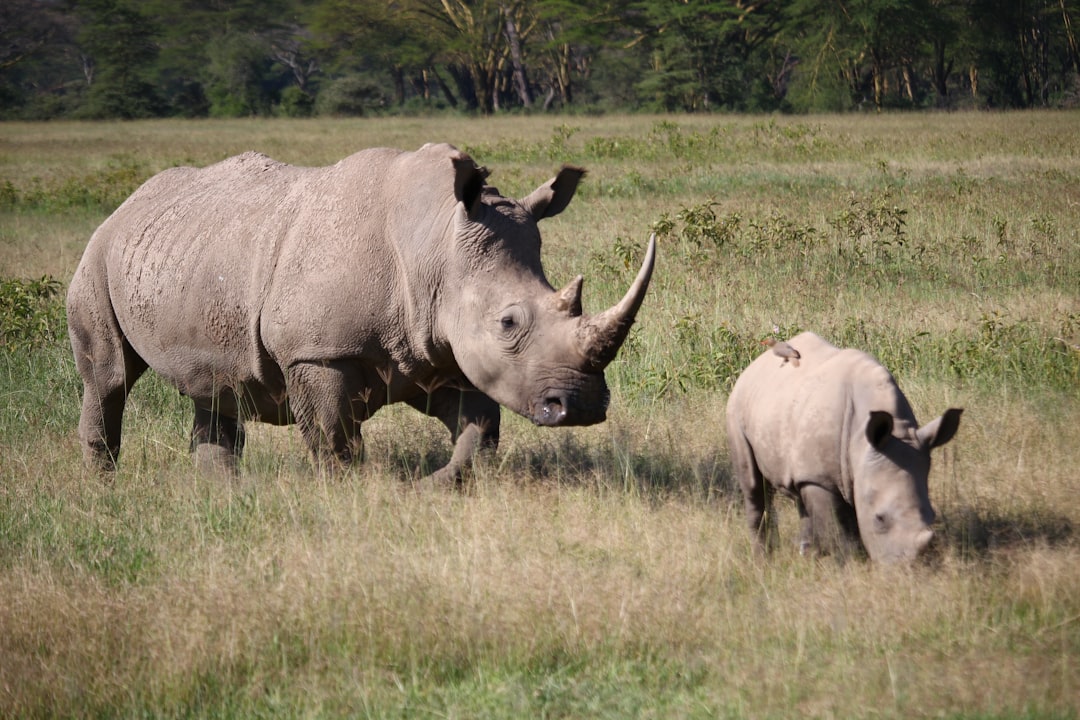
<point x="892" y="500"/>
<point x="528" y="346"/>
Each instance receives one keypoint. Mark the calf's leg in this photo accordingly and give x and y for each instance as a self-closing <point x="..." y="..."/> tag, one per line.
<point x="217" y="440"/>
<point x="825" y="523"/>
<point x="327" y="401"/>
<point x="757" y="495"/>
<point x="473" y="420"/>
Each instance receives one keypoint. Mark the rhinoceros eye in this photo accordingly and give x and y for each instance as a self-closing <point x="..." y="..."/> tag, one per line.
<point x="881" y="522"/>
<point x="512" y="319"/>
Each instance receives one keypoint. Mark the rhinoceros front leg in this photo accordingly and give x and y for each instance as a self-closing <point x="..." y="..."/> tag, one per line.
<point x="217" y="441"/>
<point x="473" y="420"/>
<point x="826" y="522"/>
<point x="326" y="401"/>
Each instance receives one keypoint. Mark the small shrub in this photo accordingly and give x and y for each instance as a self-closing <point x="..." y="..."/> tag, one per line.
<point x="778" y="233"/>
<point x="296" y="103"/>
<point x="31" y="313"/>
<point x="101" y="189"/>
<point x="349" y="96"/>
<point x="9" y="196"/>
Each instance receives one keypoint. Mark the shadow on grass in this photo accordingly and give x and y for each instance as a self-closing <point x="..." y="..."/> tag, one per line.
<point x="572" y="462"/>
<point x="976" y="534"/>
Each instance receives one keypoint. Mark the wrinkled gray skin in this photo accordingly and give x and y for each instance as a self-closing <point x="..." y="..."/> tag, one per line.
<point x="284" y="294"/>
<point x="837" y="434"/>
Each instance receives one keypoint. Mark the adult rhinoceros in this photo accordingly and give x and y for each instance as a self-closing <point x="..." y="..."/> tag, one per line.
<point x="836" y="433"/>
<point x="316" y="295"/>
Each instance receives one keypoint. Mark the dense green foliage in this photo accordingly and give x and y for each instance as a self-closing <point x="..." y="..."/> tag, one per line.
<point x="122" y="58"/>
<point x="31" y="314"/>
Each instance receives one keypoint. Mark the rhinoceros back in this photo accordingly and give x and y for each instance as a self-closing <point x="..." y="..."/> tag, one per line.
<point x="187" y="258"/>
<point x="224" y="275"/>
<point x="802" y="421"/>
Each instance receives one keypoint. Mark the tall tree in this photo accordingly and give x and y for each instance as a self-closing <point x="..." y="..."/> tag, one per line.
<point x="199" y="40"/>
<point x="943" y="31"/>
<point x="118" y="48"/>
<point x="473" y="45"/>
<point x="385" y="34"/>
<point x="702" y="54"/>
<point x="36" y="47"/>
<point x="873" y="46"/>
<point x="569" y="36"/>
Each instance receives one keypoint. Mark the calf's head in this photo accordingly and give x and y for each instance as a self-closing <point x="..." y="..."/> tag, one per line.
<point x="528" y="346"/>
<point x="892" y="500"/>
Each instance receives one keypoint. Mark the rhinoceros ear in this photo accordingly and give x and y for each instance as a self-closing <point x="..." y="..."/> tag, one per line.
<point x="552" y="197"/>
<point x="468" y="183"/>
<point x="940" y="430"/>
<point x="879" y="428"/>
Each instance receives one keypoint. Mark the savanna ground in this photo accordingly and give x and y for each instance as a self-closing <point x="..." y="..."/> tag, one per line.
<point x="592" y="572"/>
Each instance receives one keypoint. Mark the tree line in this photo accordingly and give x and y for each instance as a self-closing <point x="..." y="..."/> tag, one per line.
<point x="227" y="58"/>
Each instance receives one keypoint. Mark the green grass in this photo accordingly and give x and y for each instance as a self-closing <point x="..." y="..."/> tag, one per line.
<point x="589" y="572"/>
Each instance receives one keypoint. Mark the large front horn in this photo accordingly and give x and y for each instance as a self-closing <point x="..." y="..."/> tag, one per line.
<point x="602" y="335"/>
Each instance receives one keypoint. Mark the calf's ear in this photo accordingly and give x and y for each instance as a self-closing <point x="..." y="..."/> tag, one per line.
<point x="879" y="428"/>
<point x="940" y="430"/>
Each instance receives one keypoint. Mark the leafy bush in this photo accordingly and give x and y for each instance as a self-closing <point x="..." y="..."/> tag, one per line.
<point x="296" y="103"/>
<point x="102" y="189"/>
<point x="31" y="313"/>
<point x="352" y="95"/>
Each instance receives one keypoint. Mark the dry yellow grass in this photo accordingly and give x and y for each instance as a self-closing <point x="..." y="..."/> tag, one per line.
<point x="590" y="572"/>
<point x="350" y="590"/>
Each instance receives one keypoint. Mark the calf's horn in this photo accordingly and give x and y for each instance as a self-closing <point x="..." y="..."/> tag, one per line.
<point x="602" y="335"/>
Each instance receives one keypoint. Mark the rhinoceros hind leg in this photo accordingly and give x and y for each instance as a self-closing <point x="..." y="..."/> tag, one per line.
<point x="217" y="440"/>
<point x="100" y="426"/>
<point x="109" y="367"/>
<point x="757" y="493"/>
<point x="326" y="399"/>
<point x="473" y="421"/>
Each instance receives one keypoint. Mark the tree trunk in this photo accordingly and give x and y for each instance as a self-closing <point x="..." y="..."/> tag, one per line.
<point x="1074" y="51"/>
<point x="483" y="87"/>
<point x="941" y="71"/>
<point x="450" y="97"/>
<point x="563" y="76"/>
<point x="875" y="72"/>
<point x="1026" y="70"/>
<point x="88" y="69"/>
<point x="909" y="88"/>
<point x="517" y="64"/>
<point x="466" y="85"/>
<point x="398" y="76"/>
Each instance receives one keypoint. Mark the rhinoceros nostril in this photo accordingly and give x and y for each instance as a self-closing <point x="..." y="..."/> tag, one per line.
<point x="553" y="411"/>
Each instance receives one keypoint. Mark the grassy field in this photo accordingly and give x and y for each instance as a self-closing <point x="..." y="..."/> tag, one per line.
<point x="593" y="572"/>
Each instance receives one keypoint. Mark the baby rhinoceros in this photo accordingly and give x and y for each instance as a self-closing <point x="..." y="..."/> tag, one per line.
<point x="838" y="435"/>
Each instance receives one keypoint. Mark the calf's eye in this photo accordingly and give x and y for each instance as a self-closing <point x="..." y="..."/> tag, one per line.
<point x="881" y="522"/>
